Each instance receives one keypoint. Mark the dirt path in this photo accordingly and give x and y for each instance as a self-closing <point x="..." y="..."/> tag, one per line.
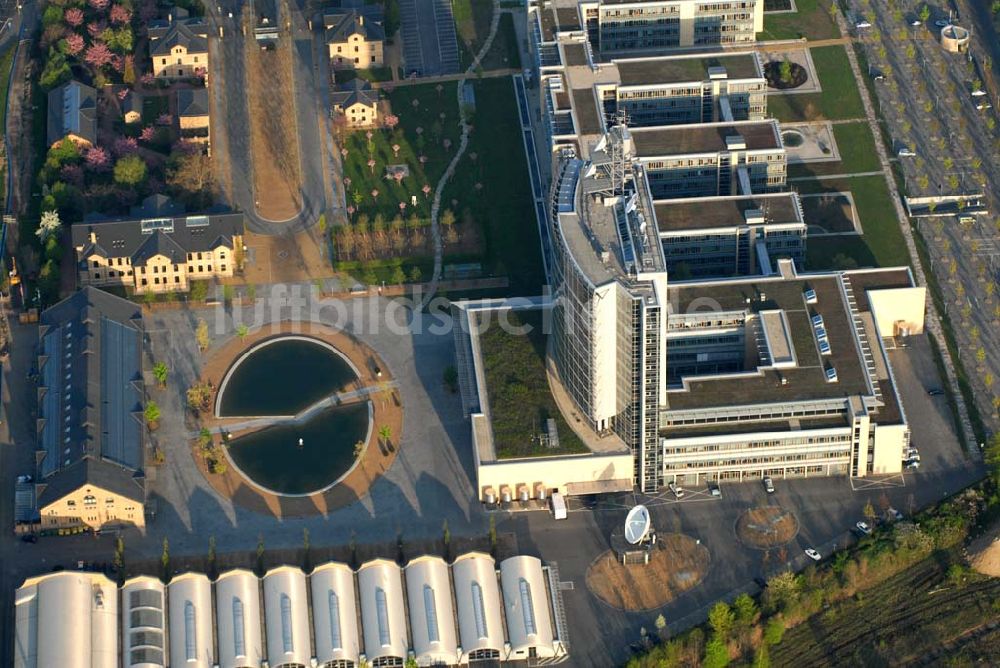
<point x="273" y="131"/>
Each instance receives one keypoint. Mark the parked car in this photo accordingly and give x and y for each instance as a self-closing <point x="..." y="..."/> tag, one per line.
<point x="935" y="392"/>
<point x="768" y="485"/>
<point x="860" y="25"/>
<point x="24" y="479"/>
<point x="894" y="514"/>
<point x="713" y="489"/>
<point x="864" y="528"/>
<point x="906" y="152"/>
<point x="813" y="554"/>
<point x="912" y="465"/>
<point x="676" y="490"/>
<point x="915" y="457"/>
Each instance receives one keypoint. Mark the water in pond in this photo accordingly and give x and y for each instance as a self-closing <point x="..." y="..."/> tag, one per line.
<point x="272" y="457"/>
<point x="283" y="378"/>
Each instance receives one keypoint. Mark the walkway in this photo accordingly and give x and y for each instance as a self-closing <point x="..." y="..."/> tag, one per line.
<point x="933" y="319"/>
<point x="418" y="81"/>
<point x="463" y="143"/>
<point x="336" y="399"/>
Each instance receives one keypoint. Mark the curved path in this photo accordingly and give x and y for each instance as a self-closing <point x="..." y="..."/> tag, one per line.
<point x="463" y="143"/>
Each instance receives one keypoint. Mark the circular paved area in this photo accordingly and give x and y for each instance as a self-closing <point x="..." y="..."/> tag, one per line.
<point x="376" y="458"/>
<point x="766" y="527"/>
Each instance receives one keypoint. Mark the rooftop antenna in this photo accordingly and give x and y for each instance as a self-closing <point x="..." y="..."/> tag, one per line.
<point x="617" y="148"/>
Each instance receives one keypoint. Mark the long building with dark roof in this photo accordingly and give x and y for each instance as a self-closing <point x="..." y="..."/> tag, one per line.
<point x="157" y="248"/>
<point x="90" y="413"/>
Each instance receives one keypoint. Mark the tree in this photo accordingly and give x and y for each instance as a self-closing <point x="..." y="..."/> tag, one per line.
<point x="199" y="397"/>
<point x="260" y="554"/>
<point x="716" y="654"/>
<point x="450" y="377"/>
<point x="56" y="70"/>
<point x="774" y="631"/>
<point x="201" y="335"/>
<point x="160" y="372"/>
<point x="925" y="13"/>
<point x="152" y="415"/>
<point x="98" y="55"/>
<point x="241" y="331"/>
<point x="385" y="433"/>
<point x="721" y="618"/>
<point x="211" y="556"/>
<point x="746" y="612"/>
<point x="415" y="274"/>
<point x="189" y="175"/>
<point x="49" y="226"/>
<point x="398" y="276"/>
<point x="869" y="512"/>
<point x="130" y="171"/>
<point x="991" y="457"/>
<point x="205" y="440"/>
<point x="785" y="71"/>
<point x="165" y="558"/>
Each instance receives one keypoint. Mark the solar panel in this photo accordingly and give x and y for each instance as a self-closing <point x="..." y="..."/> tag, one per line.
<point x="334" y="604"/>
<point x="382" y="613"/>
<point x="430" y="611"/>
<point x="479" y="611"/>
<point x="527" y="609"/>
<point x="196" y="221"/>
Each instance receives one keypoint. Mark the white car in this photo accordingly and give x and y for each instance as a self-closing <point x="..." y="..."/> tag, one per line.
<point x="864" y="528"/>
<point x="861" y="25"/>
<point x="768" y="485"/>
<point x="906" y="152"/>
<point x="916" y="22"/>
<point x="982" y="106"/>
<point x="813" y="554"/>
<point x="913" y="465"/>
<point x="914" y="457"/>
<point x="676" y="490"/>
<point x="979" y="92"/>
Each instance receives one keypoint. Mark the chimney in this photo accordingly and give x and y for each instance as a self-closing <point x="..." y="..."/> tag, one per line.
<point x="93" y="237"/>
<point x="361" y="20"/>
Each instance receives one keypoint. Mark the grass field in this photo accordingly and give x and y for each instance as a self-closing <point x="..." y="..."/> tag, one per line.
<point x="812" y="21"/>
<point x="472" y="24"/>
<point x="6" y="62"/>
<point x="881" y="244"/>
<point x="490" y="184"/>
<point x="920" y="617"/>
<point x="857" y="153"/>
<point x="838" y="100"/>
<point x="518" y="389"/>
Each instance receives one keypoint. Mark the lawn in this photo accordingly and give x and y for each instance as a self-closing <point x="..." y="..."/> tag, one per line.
<point x="518" y="389"/>
<point x="881" y="244"/>
<point x="906" y="620"/>
<point x="839" y="99"/>
<point x="6" y="62"/>
<point x="472" y="24"/>
<point x="812" y="21"/>
<point x="369" y="74"/>
<point x="489" y="189"/>
<point x="857" y="153"/>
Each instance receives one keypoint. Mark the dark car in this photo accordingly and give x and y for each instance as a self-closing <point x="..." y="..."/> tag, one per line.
<point x="935" y="392"/>
<point x="29" y="538"/>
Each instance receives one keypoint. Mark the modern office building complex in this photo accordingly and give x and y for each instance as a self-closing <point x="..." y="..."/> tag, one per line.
<point x="430" y="612"/>
<point x="684" y="325"/>
<point x="623" y="26"/>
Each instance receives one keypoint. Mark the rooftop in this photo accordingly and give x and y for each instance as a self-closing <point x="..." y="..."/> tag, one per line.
<point x="804" y="381"/>
<point x="705" y="138"/>
<point x="707" y="213"/>
<point x="687" y="68"/>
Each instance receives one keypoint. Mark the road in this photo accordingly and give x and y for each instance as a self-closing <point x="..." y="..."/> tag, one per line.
<point x="320" y="164"/>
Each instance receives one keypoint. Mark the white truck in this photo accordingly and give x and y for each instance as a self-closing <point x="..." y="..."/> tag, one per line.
<point x="557" y="504"/>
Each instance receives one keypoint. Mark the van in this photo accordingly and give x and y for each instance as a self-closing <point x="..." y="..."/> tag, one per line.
<point x="557" y="504"/>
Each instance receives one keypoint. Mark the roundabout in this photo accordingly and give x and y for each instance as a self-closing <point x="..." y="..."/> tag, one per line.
<point x="307" y="419"/>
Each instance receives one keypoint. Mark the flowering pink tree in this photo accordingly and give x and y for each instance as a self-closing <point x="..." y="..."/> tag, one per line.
<point x="120" y="15"/>
<point x="395" y="150"/>
<point x="398" y="175"/>
<point x="147" y="79"/>
<point x="347" y="182"/>
<point x="99" y="5"/>
<point x="446" y="143"/>
<point x="391" y="121"/>
<point x="74" y="17"/>
<point x="74" y="44"/>
<point x="98" y="55"/>
<point x="125" y="146"/>
<point x="147" y="133"/>
<point x="402" y="207"/>
<point x="95" y="28"/>
<point x="350" y="211"/>
<point x="118" y="63"/>
<point x="122" y="93"/>
<point x="426" y="190"/>
<point x="96" y="159"/>
<point x="423" y="159"/>
<point x="375" y="194"/>
<point x="344" y="152"/>
<point x="371" y="164"/>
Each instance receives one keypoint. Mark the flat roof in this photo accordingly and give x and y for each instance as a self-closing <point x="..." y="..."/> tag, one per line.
<point x="576" y="54"/>
<point x="702" y="213"/>
<point x="586" y="109"/>
<point x="807" y="379"/>
<point x="687" y="68"/>
<point x="704" y="138"/>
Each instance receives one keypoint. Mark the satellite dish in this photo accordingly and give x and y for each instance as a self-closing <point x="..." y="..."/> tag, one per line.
<point x="637" y="524"/>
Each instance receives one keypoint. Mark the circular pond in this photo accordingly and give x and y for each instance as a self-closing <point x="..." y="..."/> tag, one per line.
<point x="281" y="377"/>
<point x="309" y="445"/>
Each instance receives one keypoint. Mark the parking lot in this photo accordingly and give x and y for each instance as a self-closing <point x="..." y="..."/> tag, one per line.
<point x="929" y="109"/>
